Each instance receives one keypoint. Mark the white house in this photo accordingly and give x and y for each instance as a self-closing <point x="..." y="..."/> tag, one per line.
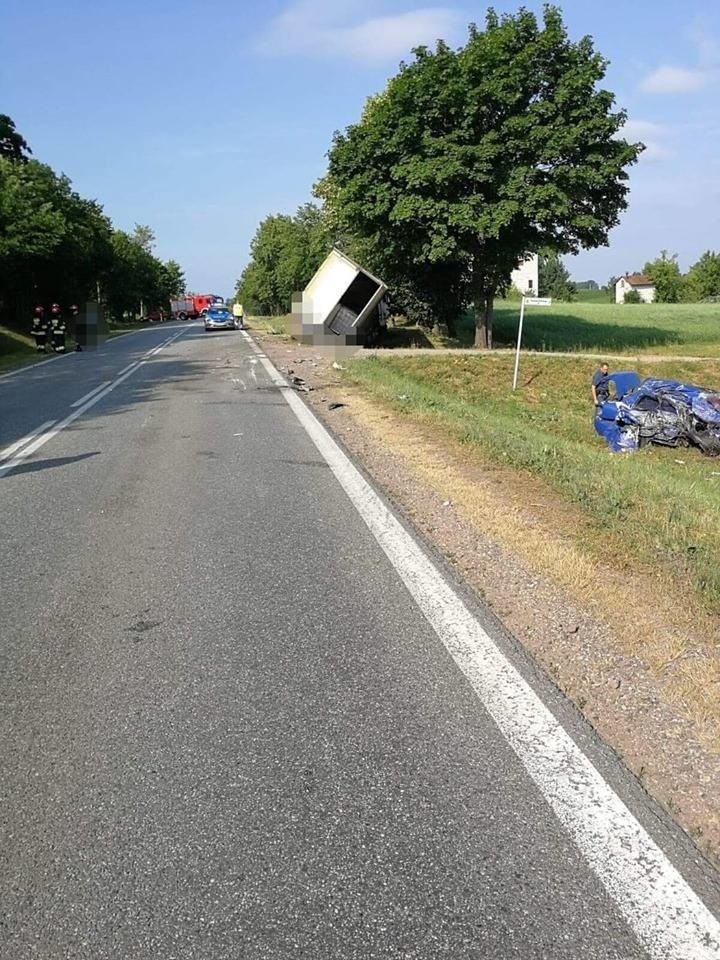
<point x="525" y="276"/>
<point x="635" y="281"/>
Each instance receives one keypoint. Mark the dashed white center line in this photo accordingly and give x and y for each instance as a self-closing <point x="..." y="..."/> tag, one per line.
<point x="47" y="431"/>
<point x="87" y="396"/>
<point x="14" y="447"/>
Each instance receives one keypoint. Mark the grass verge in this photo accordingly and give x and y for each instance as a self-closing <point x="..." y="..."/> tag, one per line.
<point x="16" y="350"/>
<point x="658" y="507"/>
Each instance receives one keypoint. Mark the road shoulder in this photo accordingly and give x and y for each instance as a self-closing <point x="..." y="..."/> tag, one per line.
<point x="471" y="515"/>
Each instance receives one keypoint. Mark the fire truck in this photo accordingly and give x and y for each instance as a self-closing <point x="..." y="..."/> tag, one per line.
<point x="194" y="305"/>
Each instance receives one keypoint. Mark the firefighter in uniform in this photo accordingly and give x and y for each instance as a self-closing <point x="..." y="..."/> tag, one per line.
<point x="40" y="329"/>
<point x="57" y="329"/>
<point x="75" y="313"/>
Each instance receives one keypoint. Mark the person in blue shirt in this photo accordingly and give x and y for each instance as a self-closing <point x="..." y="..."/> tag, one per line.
<point x="601" y="385"/>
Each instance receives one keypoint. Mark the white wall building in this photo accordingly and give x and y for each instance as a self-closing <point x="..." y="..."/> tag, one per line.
<point x="525" y="276"/>
<point x="635" y="281"/>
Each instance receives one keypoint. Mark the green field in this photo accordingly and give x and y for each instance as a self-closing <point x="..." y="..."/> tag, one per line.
<point x="651" y="328"/>
<point x="661" y="506"/>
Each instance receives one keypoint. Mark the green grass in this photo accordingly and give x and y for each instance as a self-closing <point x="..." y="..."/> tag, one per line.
<point x="652" y="328"/>
<point x="660" y="510"/>
<point x="16" y="350"/>
<point x="595" y="296"/>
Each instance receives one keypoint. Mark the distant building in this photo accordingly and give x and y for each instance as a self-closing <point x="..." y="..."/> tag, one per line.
<point x="635" y="281"/>
<point x="525" y="276"/>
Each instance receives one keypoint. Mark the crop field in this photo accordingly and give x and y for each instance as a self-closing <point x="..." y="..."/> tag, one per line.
<point x="660" y="506"/>
<point x="691" y="329"/>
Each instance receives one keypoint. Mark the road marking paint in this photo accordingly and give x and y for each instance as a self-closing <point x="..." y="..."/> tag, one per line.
<point x="55" y="428"/>
<point x="130" y="366"/>
<point x="33" y="366"/>
<point x="87" y="396"/>
<point x="8" y="451"/>
<point x="666" y="915"/>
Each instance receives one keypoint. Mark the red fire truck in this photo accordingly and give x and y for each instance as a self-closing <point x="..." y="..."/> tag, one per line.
<point x="193" y="305"/>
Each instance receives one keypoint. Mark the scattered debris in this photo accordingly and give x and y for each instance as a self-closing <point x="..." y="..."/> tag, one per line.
<point x="335" y="406"/>
<point x="403" y="396"/>
<point x="446" y="503"/>
<point x="680" y="461"/>
<point x="337" y="366"/>
<point x="570" y="628"/>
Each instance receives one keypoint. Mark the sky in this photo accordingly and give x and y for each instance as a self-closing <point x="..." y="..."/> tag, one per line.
<point x="201" y="118"/>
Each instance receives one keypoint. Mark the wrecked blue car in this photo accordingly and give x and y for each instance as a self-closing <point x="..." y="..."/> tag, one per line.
<point x="665" y="412"/>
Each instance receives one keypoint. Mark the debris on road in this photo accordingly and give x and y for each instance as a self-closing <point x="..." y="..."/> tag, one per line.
<point x="335" y="406"/>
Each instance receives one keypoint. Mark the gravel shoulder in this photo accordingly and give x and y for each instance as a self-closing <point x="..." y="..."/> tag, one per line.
<point x="494" y="526"/>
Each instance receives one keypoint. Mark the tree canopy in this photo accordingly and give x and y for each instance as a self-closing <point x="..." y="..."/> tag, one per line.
<point x="12" y="144"/>
<point x="285" y="252"/>
<point x="56" y="246"/>
<point x="703" y="278"/>
<point x="665" y="274"/>
<point x="554" y="278"/>
<point x="472" y="159"/>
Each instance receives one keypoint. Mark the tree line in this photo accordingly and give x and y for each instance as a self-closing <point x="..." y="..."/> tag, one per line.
<point x="700" y="283"/>
<point x="466" y="163"/>
<point x="56" y="246"/>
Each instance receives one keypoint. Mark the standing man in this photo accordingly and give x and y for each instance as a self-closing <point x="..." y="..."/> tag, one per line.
<point x="57" y="329"/>
<point x="39" y="328"/>
<point x="601" y="385"/>
<point x="75" y="313"/>
<point x="239" y="315"/>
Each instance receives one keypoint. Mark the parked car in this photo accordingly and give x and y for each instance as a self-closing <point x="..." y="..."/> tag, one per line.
<point x="154" y="316"/>
<point x="220" y="318"/>
<point x="664" y="412"/>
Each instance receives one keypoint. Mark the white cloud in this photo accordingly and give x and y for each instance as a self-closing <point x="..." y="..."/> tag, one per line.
<point x="649" y="133"/>
<point x="676" y="80"/>
<point x="321" y="28"/>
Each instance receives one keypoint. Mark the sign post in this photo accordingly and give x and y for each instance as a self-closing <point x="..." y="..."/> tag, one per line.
<point x="526" y="302"/>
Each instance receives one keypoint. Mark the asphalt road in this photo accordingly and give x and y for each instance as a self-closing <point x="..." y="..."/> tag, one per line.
<point x="227" y="729"/>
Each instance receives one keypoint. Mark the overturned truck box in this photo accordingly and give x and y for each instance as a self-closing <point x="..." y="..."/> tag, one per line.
<point x="341" y="306"/>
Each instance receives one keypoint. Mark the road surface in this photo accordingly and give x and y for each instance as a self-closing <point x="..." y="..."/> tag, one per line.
<point x="245" y="714"/>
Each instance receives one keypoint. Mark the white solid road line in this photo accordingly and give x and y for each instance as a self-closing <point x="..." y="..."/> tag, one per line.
<point x="33" y="366"/>
<point x="130" y="366"/>
<point x="87" y="396"/>
<point x="666" y="915"/>
<point x="14" y="447"/>
<point x="48" y="434"/>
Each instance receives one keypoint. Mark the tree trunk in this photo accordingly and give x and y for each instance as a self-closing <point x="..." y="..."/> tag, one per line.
<point x="483" y="305"/>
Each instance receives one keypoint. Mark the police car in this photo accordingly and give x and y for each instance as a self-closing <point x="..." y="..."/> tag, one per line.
<point x="219" y="317"/>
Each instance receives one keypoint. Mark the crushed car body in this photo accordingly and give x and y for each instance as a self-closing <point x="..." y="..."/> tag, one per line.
<point x="664" y="412"/>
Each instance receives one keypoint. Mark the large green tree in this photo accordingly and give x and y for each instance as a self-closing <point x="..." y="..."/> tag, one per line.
<point x="53" y="243"/>
<point x="703" y="278"/>
<point x="12" y="144"/>
<point x="554" y="278"/>
<point x="285" y="252"/>
<point x="476" y="157"/>
<point x="665" y="274"/>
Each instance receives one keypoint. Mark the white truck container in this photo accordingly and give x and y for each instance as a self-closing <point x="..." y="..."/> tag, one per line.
<point x="341" y="306"/>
